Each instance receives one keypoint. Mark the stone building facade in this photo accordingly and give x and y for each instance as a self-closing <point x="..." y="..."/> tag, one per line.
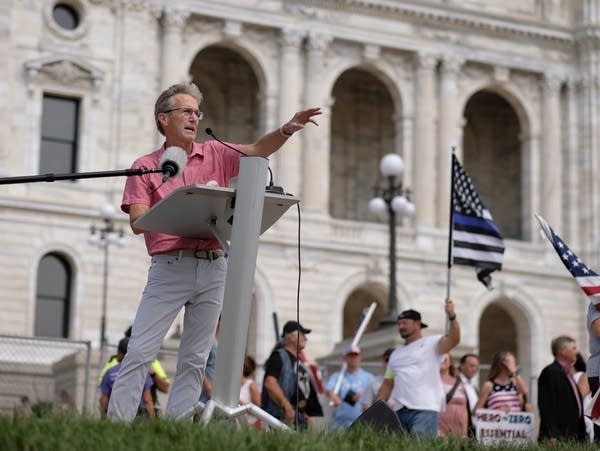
<point x="512" y="84"/>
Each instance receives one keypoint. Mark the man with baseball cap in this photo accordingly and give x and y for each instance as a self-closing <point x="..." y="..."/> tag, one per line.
<point x="412" y="378"/>
<point x="347" y="405"/>
<point x="288" y="390"/>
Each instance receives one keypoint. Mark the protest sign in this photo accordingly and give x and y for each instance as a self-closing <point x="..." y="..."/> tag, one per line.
<point x="494" y="426"/>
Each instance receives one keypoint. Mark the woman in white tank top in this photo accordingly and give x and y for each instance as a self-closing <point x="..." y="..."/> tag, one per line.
<point x="249" y="391"/>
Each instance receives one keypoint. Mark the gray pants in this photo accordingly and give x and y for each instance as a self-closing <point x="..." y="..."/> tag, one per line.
<point x="173" y="283"/>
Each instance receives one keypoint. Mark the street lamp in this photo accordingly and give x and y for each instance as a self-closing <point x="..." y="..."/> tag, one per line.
<point x="103" y="237"/>
<point x="390" y="201"/>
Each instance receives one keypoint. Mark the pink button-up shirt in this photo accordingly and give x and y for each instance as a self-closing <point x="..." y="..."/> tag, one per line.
<point x="208" y="161"/>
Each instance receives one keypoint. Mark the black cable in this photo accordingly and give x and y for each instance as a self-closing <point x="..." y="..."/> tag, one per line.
<point x="271" y="187"/>
<point x="298" y="320"/>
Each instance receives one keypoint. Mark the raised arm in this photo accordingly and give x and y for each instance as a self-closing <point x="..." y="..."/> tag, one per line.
<point x="452" y="338"/>
<point x="272" y="141"/>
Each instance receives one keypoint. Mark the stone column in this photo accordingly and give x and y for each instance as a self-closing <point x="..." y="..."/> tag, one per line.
<point x="290" y="157"/>
<point x="424" y="152"/>
<point x="531" y="179"/>
<point x="173" y="22"/>
<point x="315" y="187"/>
<point x="572" y="166"/>
<point x="404" y="146"/>
<point x="449" y="132"/>
<point x="588" y="42"/>
<point x="551" y="162"/>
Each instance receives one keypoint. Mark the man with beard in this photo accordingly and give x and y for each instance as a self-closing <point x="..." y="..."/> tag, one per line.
<point x="412" y="378"/>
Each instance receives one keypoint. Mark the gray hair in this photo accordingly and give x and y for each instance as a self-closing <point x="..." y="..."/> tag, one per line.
<point x="560" y="342"/>
<point x="164" y="102"/>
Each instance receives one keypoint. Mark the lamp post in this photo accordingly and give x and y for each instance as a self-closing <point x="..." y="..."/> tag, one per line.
<point x="391" y="201"/>
<point x="103" y="237"/>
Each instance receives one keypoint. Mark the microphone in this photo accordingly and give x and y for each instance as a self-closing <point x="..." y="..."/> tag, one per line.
<point x="172" y="162"/>
<point x="271" y="187"/>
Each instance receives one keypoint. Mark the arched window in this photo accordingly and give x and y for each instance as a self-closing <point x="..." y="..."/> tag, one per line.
<point x="53" y="297"/>
<point x="492" y="157"/>
<point x="357" y="304"/>
<point x="362" y="131"/>
<point x="503" y="326"/>
<point x="231" y="97"/>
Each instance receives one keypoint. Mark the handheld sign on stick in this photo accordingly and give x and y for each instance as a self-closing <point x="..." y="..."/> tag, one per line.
<point x="361" y="328"/>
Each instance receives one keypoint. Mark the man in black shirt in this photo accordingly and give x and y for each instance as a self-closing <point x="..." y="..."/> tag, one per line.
<point x="288" y="390"/>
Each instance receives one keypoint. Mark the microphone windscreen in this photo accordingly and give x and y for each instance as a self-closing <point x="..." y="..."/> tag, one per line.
<point x="176" y="155"/>
<point x="208" y="130"/>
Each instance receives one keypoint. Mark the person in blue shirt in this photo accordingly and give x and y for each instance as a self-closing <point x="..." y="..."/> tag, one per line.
<point x="146" y="407"/>
<point x="347" y="404"/>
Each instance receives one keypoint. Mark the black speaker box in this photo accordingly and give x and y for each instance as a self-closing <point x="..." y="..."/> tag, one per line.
<point x="379" y="416"/>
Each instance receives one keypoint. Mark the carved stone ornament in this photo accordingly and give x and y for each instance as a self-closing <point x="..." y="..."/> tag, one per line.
<point x="152" y="6"/>
<point x="65" y="71"/>
<point x="319" y="42"/>
<point x="135" y="5"/>
<point x="426" y="61"/>
<point x="311" y="12"/>
<point x="174" y="18"/>
<point x="439" y="18"/>
<point x="452" y="65"/>
<point x="232" y="29"/>
<point x="291" y="37"/>
<point x="501" y="74"/>
<point x="371" y="52"/>
<point x="551" y="84"/>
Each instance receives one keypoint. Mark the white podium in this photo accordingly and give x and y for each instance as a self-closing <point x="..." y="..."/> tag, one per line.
<point x="238" y="216"/>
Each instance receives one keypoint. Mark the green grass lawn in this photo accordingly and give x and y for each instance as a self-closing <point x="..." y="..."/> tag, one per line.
<point x="58" y="433"/>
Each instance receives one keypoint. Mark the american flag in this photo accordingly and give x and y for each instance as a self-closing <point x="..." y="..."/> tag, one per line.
<point x="593" y="408"/>
<point x="587" y="279"/>
<point x="476" y="241"/>
<point x="589" y="282"/>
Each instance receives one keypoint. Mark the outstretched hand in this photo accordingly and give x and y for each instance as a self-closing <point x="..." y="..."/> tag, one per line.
<point x="300" y="119"/>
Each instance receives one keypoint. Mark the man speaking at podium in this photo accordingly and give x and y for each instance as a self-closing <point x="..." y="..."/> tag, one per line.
<point x="183" y="272"/>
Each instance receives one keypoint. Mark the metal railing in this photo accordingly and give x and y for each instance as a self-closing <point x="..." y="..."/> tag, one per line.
<point x="50" y="373"/>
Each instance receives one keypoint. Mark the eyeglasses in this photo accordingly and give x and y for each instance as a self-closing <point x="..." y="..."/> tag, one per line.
<point x="188" y="112"/>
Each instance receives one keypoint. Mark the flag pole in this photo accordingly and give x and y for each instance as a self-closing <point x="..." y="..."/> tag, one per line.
<point x="450" y="227"/>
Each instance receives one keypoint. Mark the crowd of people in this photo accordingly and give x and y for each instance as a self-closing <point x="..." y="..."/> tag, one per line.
<point x="429" y="393"/>
<point x="420" y="382"/>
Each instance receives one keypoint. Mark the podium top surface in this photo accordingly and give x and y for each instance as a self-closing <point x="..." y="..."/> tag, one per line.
<point x="188" y="212"/>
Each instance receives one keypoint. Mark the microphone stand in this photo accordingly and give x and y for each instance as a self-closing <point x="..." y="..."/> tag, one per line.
<point x="78" y="175"/>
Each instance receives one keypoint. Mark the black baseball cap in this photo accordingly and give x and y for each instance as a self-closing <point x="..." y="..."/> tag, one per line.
<point x="292" y="326"/>
<point x="412" y="314"/>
